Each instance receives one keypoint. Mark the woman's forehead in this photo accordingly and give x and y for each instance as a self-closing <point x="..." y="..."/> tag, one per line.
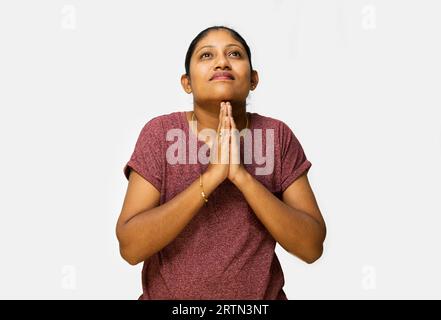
<point x="218" y="38"/>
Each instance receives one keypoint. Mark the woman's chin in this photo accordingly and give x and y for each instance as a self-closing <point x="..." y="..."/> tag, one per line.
<point x="224" y="95"/>
<point x="217" y="97"/>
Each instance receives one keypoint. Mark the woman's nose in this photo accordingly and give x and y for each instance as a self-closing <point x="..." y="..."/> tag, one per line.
<point x="222" y="62"/>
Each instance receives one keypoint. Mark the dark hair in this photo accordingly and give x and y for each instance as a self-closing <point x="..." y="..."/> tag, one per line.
<point x="203" y="33"/>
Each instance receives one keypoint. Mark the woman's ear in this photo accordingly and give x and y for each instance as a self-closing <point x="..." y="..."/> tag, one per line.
<point x="185" y="82"/>
<point x="254" y="79"/>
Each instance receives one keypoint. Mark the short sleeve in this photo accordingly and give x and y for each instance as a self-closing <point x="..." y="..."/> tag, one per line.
<point x="147" y="157"/>
<point x="293" y="158"/>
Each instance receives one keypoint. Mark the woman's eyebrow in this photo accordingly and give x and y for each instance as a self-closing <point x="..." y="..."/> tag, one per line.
<point x="228" y="45"/>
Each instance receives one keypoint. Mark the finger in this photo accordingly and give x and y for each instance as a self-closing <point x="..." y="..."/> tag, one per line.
<point x="224" y="142"/>
<point x="229" y="107"/>
<point x="221" y="125"/>
<point x="215" y="145"/>
<point x="231" y="115"/>
<point x="226" y="130"/>
<point x="225" y="124"/>
<point x="232" y="129"/>
<point x="222" y="122"/>
<point x="228" y="114"/>
<point x="234" y="147"/>
<point x="221" y="116"/>
<point x="233" y="123"/>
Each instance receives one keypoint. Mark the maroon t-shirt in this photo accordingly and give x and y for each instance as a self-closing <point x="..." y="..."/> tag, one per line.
<point x="224" y="252"/>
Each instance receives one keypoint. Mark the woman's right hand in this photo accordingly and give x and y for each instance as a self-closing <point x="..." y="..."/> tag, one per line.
<point x="219" y="161"/>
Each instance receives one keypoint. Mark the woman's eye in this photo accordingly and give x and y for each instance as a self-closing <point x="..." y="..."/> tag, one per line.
<point x="238" y="53"/>
<point x="207" y="54"/>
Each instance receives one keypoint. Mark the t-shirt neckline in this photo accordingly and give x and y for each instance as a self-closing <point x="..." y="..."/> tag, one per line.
<point x="188" y="131"/>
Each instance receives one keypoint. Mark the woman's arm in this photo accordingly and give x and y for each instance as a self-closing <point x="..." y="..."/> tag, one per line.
<point x="296" y="222"/>
<point x="144" y="228"/>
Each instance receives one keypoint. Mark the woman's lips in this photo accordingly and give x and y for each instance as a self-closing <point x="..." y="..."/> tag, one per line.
<point x="222" y="75"/>
<point x="222" y="78"/>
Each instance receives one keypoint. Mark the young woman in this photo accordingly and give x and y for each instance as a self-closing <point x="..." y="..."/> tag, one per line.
<point x="208" y="230"/>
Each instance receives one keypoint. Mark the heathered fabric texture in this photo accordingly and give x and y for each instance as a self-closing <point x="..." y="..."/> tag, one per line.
<point x="224" y="252"/>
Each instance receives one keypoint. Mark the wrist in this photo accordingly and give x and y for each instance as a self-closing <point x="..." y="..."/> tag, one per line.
<point x="241" y="178"/>
<point x="214" y="177"/>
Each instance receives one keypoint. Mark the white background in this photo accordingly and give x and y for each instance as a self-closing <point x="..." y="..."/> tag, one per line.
<point x="357" y="81"/>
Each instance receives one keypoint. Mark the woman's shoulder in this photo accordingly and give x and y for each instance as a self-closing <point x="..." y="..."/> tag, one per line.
<point x="264" y="121"/>
<point x="161" y="122"/>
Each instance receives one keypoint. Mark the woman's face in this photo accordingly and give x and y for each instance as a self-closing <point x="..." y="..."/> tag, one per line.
<point x="218" y="51"/>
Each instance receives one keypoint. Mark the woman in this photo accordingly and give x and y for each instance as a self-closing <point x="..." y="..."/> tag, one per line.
<point x="207" y="230"/>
